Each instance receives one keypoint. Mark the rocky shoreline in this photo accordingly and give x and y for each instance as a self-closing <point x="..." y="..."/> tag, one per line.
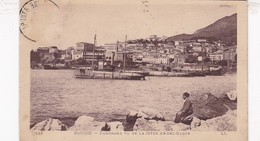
<point x="210" y="114"/>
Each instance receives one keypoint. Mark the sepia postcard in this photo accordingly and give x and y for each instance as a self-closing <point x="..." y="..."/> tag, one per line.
<point x="133" y="70"/>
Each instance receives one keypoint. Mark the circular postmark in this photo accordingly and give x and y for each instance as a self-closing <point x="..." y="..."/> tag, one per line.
<point x="26" y="13"/>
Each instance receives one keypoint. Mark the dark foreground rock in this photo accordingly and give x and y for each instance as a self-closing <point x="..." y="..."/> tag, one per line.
<point x="50" y="125"/>
<point x="131" y="117"/>
<point x="207" y="106"/>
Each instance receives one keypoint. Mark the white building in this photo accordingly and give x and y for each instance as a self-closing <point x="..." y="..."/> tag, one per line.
<point x="77" y="55"/>
<point x="153" y="60"/>
<point x="216" y="56"/>
<point x="161" y="60"/>
<point x="63" y="56"/>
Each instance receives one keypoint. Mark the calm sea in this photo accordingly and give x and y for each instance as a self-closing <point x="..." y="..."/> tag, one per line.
<point x="56" y="93"/>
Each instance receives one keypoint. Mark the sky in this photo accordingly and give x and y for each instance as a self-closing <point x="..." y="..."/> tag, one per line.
<point x="76" y="21"/>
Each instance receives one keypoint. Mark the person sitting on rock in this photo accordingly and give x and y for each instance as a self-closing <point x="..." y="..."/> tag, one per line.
<point x="186" y="111"/>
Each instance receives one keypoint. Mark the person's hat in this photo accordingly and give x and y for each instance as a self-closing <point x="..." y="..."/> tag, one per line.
<point x="186" y="94"/>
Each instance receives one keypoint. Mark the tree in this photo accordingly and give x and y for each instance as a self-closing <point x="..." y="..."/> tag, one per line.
<point x="56" y="55"/>
<point x="34" y="56"/>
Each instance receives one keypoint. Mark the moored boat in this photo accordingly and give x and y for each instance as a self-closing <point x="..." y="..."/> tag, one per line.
<point x="198" y="73"/>
<point x="145" y="73"/>
<point x="92" y="74"/>
<point x="170" y="74"/>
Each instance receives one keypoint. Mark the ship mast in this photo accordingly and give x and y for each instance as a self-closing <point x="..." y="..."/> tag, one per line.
<point x="125" y="51"/>
<point x="92" y="63"/>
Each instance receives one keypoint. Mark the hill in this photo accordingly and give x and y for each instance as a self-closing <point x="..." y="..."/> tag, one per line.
<point x="224" y="29"/>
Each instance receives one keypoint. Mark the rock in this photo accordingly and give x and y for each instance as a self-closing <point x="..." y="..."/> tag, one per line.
<point x="87" y="123"/>
<point x="208" y="106"/>
<point x="84" y="120"/>
<point x="229" y="100"/>
<point x="203" y="127"/>
<point x="57" y="125"/>
<point x="91" y="126"/>
<point x="178" y="127"/>
<point x="142" y="124"/>
<point x="232" y="95"/>
<point x="195" y="122"/>
<point x="153" y="125"/>
<point x="148" y="113"/>
<point x="226" y="122"/>
<point x="187" y="120"/>
<point x="115" y="126"/>
<point x="50" y="125"/>
<point x="131" y="117"/>
<point x="128" y="126"/>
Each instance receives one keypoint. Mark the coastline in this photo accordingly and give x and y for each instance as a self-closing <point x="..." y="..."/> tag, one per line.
<point x="210" y="113"/>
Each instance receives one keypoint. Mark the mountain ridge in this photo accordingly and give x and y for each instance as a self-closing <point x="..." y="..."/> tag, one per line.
<point x="224" y="29"/>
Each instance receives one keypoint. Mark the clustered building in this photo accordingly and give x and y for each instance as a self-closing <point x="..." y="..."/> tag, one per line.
<point x="153" y="50"/>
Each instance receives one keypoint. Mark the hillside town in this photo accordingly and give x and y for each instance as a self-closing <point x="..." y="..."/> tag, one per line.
<point x="153" y="53"/>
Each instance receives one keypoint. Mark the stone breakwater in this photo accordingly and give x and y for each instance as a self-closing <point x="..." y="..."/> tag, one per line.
<point x="210" y="114"/>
